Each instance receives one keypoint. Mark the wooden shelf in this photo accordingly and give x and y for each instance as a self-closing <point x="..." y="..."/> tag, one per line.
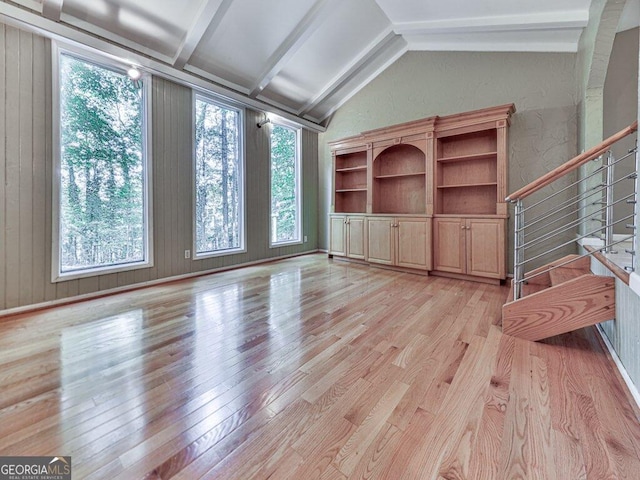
<point x="446" y="173"/>
<point x="351" y="169"/>
<point x="400" y="175"/>
<point x="464" y="158"/>
<point x="465" y="185"/>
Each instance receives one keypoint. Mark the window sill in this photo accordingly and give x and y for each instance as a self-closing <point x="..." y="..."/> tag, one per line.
<point x="94" y="272"/>
<point x="220" y="253"/>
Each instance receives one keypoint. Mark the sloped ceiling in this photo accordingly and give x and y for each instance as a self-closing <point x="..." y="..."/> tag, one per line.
<point x="307" y="57"/>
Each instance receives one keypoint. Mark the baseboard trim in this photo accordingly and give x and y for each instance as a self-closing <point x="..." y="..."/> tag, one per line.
<point x="633" y="390"/>
<point x="137" y="286"/>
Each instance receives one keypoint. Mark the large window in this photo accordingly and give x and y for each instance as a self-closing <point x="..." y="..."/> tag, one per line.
<point x="285" y="185"/>
<point x="101" y="193"/>
<point x="219" y="172"/>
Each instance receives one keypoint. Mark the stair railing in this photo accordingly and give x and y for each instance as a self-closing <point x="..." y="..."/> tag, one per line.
<point x="551" y="222"/>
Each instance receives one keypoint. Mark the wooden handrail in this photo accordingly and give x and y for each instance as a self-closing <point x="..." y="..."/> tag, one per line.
<point x="571" y="165"/>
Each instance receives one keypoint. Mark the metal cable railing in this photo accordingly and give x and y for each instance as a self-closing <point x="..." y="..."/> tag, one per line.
<point x="553" y="223"/>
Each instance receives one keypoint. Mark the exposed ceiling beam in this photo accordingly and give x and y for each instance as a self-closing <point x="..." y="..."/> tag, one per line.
<point x="210" y="15"/>
<point x="311" y="21"/>
<point x="375" y="49"/>
<point x="35" y="22"/>
<point x="503" y="23"/>
<point x="52" y="9"/>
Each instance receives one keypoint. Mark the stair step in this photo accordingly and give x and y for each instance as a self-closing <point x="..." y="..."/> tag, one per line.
<point x="561" y="308"/>
<point x="564" y="274"/>
<point x="531" y="288"/>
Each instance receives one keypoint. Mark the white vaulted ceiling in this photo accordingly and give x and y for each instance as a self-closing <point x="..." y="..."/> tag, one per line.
<point x="307" y="57"/>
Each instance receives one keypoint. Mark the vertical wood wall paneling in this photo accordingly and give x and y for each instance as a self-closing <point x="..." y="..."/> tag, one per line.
<point x="158" y="173"/>
<point x="185" y="173"/>
<point x="258" y="194"/>
<point x="26" y="179"/>
<point x="310" y="204"/>
<point x="163" y="182"/>
<point x="38" y="172"/>
<point x="3" y="160"/>
<point x="47" y="136"/>
<point x="12" y="191"/>
<point x="170" y="132"/>
<point x="26" y="166"/>
<point x="628" y="330"/>
<point x="624" y="331"/>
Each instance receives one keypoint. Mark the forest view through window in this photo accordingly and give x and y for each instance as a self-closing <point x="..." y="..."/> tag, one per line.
<point x="102" y="184"/>
<point x="285" y="170"/>
<point x="218" y="179"/>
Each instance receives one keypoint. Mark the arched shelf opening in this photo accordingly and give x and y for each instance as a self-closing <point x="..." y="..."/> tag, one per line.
<point x="399" y="180"/>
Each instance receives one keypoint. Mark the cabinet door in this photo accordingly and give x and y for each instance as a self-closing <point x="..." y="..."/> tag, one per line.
<point x="414" y="243"/>
<point x="486" y="248"/>
<point x="380" y="240"/>
<point x="355" y="237"/>
<point x="337" y="241"/>
<point x="448" y="245"/>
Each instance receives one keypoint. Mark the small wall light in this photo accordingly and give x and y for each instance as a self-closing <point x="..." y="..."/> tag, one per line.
<point x="264" y="122"/>
<point x="134" y="74"/>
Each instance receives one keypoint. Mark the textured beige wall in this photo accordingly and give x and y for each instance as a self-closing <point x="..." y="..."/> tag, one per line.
<point x="542" y="86"/>
<point x="26" y="180"/>
<point x="621" y="109"/>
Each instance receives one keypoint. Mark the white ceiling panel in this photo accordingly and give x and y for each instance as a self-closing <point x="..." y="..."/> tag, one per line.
<point x="355" y="27"/>
<point x="159" y="25"/>
<point x="249" y="34"/>
<point x="307" y="57"/>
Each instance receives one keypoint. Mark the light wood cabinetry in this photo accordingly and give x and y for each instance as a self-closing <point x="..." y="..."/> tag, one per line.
<point x="347" y="236"/>
<point x="381" y="240"/>
<point x="399" y="241"/>
<point x="350" y="178"/>
<point x="449" y="172"/>
<point x="399" y="180"/>
<point x="413" y="243"/>
<point x="470" y="246"/>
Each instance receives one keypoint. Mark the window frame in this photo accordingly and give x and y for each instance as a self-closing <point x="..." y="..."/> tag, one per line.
<point x="298" y="176"/>
<point x="197" y="95"/>
<point x="109" y="63"/>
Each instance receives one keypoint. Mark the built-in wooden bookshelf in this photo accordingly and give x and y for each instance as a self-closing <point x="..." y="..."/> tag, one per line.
<point x="350" y="181"/>
<point x="467" y="173"/>
<point x="399" y="180"/>
<point x="425" y="195"/>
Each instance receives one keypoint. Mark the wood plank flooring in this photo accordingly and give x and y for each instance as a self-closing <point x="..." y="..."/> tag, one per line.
<point x="310" y="368"/>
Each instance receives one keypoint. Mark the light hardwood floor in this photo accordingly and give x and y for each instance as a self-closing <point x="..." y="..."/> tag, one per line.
<point x="310" y="368"/>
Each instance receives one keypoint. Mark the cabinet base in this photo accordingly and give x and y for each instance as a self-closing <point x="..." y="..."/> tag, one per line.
<point x="339" y="258"/>
<point x="472" y="278"/>
<point x="395" y="268"/>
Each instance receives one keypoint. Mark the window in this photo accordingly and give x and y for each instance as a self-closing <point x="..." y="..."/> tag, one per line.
<point x="285" y="185"/>
<point x="101" y="191"/>
<point x="219" y="173"/>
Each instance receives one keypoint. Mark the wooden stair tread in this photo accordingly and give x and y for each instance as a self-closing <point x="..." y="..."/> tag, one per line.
<point x="578" y="302"/>
<point x="531" y="288"/>
<point x="527" y="289"/>
<point x="564" y="274"/>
